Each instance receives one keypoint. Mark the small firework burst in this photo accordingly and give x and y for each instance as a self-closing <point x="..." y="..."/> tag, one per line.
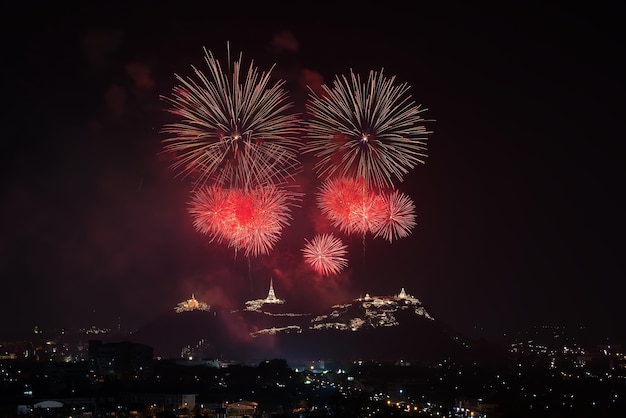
<point x="399" y="217"/>
<point x="233" y="131"/>
<point x="326" y="254"/>
<point x="370" y="130"/>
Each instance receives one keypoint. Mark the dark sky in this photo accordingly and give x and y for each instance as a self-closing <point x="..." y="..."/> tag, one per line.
<point x="519" y="204"/>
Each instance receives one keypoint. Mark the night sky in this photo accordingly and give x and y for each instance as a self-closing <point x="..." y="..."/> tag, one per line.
<point x="519" y="204"/>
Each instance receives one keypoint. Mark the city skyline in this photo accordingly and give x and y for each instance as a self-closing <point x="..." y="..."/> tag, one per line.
<point x="518" y="216"/>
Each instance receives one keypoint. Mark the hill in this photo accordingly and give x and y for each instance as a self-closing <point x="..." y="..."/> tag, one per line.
<point x="378" y="328"/>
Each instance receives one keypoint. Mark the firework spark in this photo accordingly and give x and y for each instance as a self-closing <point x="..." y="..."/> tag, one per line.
<point x="248" y="220"/>
<point x="232" y="132"/>
<point x="326" y="254"/>
<point x="399" y="218"/>
<point x="370" y="130"/>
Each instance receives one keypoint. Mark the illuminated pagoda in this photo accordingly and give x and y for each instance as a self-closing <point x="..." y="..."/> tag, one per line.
<point x="281" y="322"/>
<point x="406" y="297"/>
<point x="191" y="305"/>
<point x="271" y="296"/>
<point x="256" y="304"/>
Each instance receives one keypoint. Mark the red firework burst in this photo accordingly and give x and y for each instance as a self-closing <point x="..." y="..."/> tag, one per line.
<point x="399" y="217"/>
<point x="251" y="220"/>
<point x="350" y="206"/>
<point x="210" y="209"/>
<point x="326" y="254"/>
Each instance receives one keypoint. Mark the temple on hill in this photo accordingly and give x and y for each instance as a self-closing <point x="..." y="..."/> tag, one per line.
<point x="409" y="298"/>
<point x="256" y="304"/>
<point x="191" y="305"/>
<point x="271" y="296"/>
<point x="382" y="300"/>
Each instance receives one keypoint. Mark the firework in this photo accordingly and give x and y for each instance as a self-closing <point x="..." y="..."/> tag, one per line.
<point x="370" y="130"/>
<point x="399" y="218"/>
<point x="326" y="254"/>
<point x="263" y="221"/>
<point x="247" y="220"/>
<point x="350" y="206"/>
<point x="233" y="131"/>
<point x="210" y="208"/>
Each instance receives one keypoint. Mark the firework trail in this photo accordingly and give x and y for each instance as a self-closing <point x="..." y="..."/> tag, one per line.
<point x="251" y="221"/>
<point x="370" y="130"/>
<point x="326" y="254"/>
<point x="233" y="130"/>
<point x="399" y="217"/>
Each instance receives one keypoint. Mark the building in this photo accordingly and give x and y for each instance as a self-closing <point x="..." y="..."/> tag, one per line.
<point x="122" y="361"/>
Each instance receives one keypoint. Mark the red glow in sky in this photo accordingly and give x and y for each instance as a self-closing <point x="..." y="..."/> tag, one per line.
<point x="518" y="192"/>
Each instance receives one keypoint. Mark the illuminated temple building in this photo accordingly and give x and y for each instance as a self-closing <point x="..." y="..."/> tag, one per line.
<point x="370" y="312"/>
<point x="269" y="307"/>
<point x="191" y="305"/>
<point x="256" y="304"/>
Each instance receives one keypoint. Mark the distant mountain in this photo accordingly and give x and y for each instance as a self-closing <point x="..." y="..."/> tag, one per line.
<point x="385" y="328"/>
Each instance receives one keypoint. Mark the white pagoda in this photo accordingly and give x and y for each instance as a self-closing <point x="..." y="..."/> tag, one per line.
<point x="271" y="296"/>
<point x="256" y="304"/>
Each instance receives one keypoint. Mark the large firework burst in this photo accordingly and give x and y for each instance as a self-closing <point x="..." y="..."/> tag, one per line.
<point x="371" y="130"/>
<point x="248" y="220"/>
<point x="350" y="206"/>
<point x="354" y="209"/>
<point x="233" y="131"/>
<point x="326" y="254"/>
